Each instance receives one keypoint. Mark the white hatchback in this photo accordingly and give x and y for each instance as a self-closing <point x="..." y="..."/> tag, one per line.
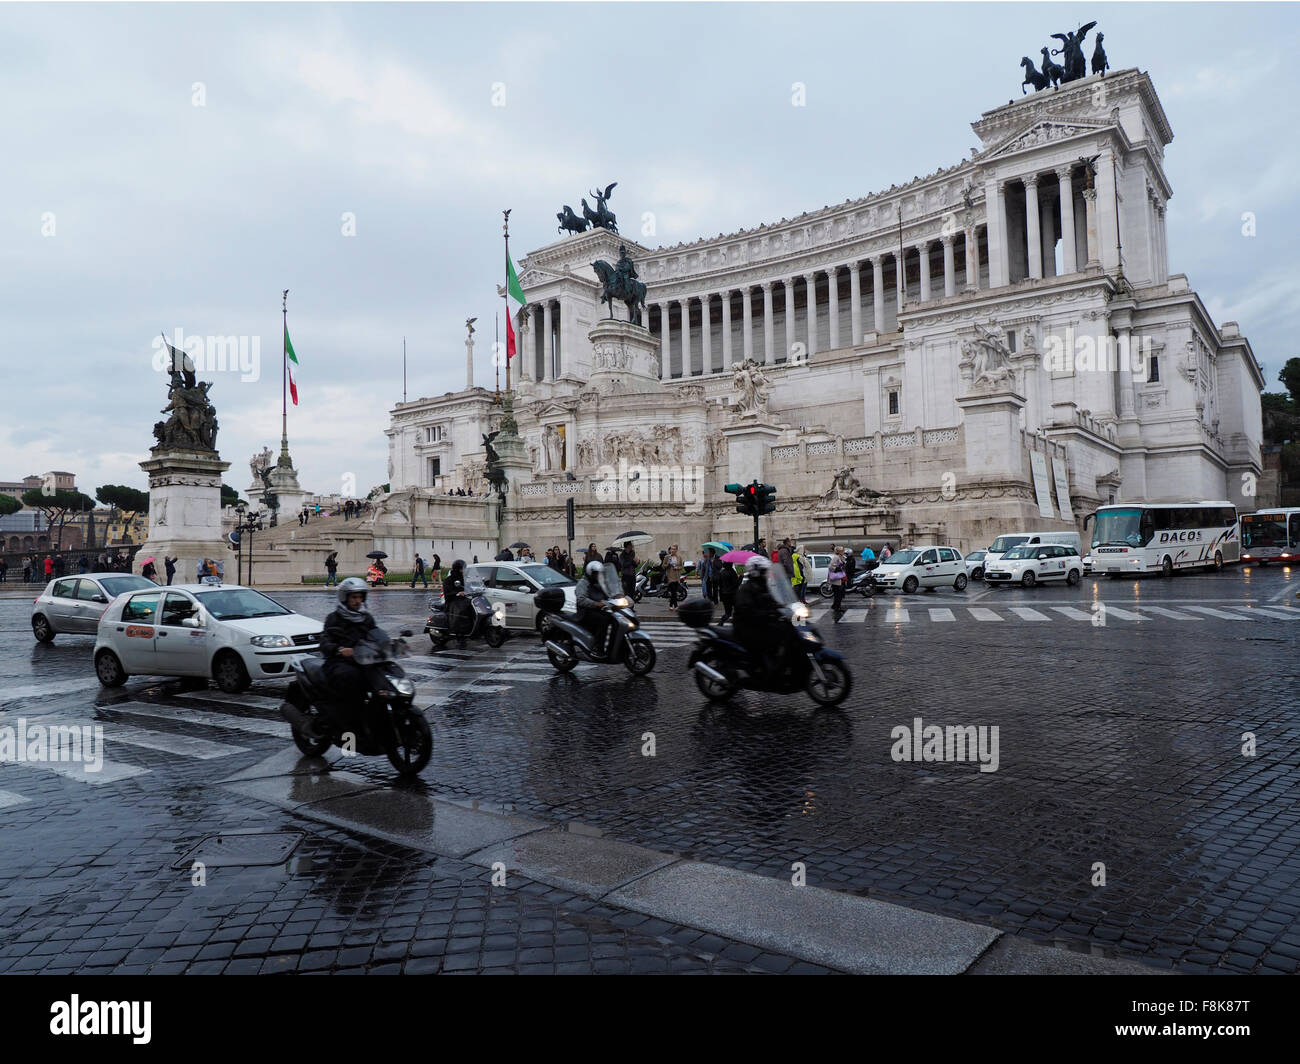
<point x="223" y="632"/>
<point x="513" y="585"/>
<point x="1028" y="565"/>
<point x="928" y="567"/>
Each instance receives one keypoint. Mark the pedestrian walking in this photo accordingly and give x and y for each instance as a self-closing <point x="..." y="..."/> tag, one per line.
<point x="169" y="567"/>
<point x="419" y="573"/>
<point x="60" y="565"/>
<point x="627" y="568"/>
<point x="728" y="583"/>
<point x="885" y="553"/>
<point x="836" y="575"/>
<point x="850" y="567"/>
<point x="4" y="570"/>
<point x="785" y="556"/>
<point x="435" y="564"/>
<point x="83" y="564"/>
<point x="27" y="570"/>
<point x="799" y="574"/>
<point x="49" y="568"/>
<point x="332" y="569"/>
<point x="673" y="574"/>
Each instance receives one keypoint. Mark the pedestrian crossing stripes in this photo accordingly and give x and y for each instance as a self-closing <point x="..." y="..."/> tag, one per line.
<point x="892" y="614"/>
<point x="8" y="798"/>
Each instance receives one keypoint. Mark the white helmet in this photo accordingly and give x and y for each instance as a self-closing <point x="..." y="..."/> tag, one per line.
<point x="350" y="585"/>
<point x="594" y="569"/>
<point x="758" y="565"/>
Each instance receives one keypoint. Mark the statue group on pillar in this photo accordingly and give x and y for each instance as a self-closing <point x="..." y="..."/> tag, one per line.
<point x="1072" y="67"/>
<point x="599" y="218"/>
<point x="192" y="420"/>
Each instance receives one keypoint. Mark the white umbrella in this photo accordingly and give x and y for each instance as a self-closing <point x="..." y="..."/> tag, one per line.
<point x="634" y="538"/>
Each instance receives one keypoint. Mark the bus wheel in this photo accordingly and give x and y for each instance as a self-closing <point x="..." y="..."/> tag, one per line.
<point x="1218" y="561"/>
<point x="1167" y="566"/>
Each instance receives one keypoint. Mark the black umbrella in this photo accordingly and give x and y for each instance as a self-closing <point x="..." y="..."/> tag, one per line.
<point x="634" y="538"/>
<point x="516" y="546"/>
<point x="376" y="554"/>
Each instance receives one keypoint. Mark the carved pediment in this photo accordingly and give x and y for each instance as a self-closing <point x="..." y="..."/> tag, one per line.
<point x="1043" y="131"/>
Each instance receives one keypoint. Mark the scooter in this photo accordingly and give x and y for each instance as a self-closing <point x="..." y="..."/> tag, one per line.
<point x="722" y="666"/>
<point x="567" y="642"/>
<point x="385" y="721"/>
<point x="864" y="584"/>
<point x="643" y="589"/>
<point x="488" y="620"/>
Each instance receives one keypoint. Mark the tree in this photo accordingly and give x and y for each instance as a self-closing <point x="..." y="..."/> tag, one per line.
<point x="229" y="496"/>
<point x="1290" y="376"/>
<point x="58" y="506"/>
<point x="127" y="501"/>
<point x="9" y="505"/>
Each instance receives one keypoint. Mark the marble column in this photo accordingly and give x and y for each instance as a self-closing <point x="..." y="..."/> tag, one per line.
<point x="1090" y="214"/>
<point x="833" y="306"/>
<point x="925" y="270"/>
<point x="999" y="261"/>
<point x="1034" y="236"/>
<point x="686" y="337"/>
<point x="949" y="268"/>
<point x="1124" y="354"/>
<point x="1047" y="231"/>
<point x="548" y="342"/>
<point x="706" y="337"/>
<point x="726" y="329"/>
<point x="665" y="343"/>
<point x="973" y="260"/>
<point x="810" y="285"/>
<point x="1069" y="262"/>
<point x="769" y="340"/>
<point x="747" y="324"/>
<point x="878" y="293"/>
<point x="789" y="317"/>
<point x="900" y="278"/>
<point x="1107" y="226"/>
<point x="855" y="301"/>
<point x="521" y="354"/>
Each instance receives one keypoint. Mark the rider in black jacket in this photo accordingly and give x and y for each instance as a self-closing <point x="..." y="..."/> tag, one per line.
<point x="760" y="624"/>
<point x="460" y="617"/>
<point x="349" y="625"/>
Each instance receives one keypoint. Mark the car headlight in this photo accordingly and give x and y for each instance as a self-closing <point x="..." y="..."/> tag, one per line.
<point x="272" y="641"/>
<point x="404" y="686"/>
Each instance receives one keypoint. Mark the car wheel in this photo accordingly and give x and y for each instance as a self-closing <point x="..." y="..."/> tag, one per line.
<point x="978" y="573"/>
<point x="109" y="669"/>
<point x="1167" y="566"/>
<point x="1073" y="578"/>
<point x="42" y="629"/>
<point x="910" y="585"/>
<point x="960" y="583"/>
<point x="229" y="673"/>
<point x="1028" y="580"/>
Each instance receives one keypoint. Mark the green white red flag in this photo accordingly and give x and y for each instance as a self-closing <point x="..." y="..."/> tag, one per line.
<point x="515" y="303"/>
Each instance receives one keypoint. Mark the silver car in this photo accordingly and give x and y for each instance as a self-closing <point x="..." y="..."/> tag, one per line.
<point x="513" y="585"/>
<point x="72" y="605"/>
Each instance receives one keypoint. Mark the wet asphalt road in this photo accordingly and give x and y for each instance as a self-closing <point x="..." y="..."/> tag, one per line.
<point x="1120" y="744"/>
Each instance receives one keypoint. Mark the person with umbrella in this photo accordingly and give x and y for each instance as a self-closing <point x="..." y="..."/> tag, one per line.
<point x="728" y="583"/>
<point x="627" y="568"/>
<point x="148" y="570"/>
<point x="375" y="574"/>
<point x="331" y="569"/>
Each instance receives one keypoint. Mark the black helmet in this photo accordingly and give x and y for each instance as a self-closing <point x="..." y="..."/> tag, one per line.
<point x="458" y="565"/>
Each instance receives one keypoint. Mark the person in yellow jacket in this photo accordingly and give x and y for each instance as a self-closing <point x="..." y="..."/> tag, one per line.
<point x="799" y="581"/>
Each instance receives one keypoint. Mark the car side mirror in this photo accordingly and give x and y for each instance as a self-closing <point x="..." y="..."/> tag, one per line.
<point x="98" y="598"/>
<point x="192" y="621"/>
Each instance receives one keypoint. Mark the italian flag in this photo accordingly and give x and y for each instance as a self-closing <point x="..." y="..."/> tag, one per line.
<point x="288" y="350"/>
<point x="515" y="302"/>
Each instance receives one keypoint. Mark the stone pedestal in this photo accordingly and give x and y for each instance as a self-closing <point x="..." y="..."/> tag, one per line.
<point x="624" y="358"/>
<point x="748" y="441"/>
<point x="184" y="509"/>
<point x="993" y="440"/>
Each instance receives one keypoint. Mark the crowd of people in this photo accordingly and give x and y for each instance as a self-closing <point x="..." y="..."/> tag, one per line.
<point x="352" y="509"/>
<point x="38" y="569"/>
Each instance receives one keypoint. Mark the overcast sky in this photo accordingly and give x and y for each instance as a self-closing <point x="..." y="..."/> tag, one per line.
<point x="168" y="215"/>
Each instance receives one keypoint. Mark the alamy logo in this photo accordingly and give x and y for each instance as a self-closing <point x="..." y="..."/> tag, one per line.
<point x="102" y="1018"/>
<point x="58" y="742"/>
<point x="956" y="742"/>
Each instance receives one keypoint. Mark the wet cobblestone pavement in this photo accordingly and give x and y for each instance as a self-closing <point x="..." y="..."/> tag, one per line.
<point x="1119" y="743"/>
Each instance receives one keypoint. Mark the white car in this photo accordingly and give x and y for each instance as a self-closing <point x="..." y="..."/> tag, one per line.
<point x="224" y="632"/>
<point x="928" y="567"/>
<point x="513" y="585"/>
<point x="1028" y="565"/>
<point x="975" y="564"/>
<point x="73" y="604"/>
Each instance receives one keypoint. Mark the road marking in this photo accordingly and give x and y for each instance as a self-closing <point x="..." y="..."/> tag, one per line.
<point x="208" y="719"/>
<point x="1211" y="612"/>
<point x="40" y="690"/>
<point x="1072" y="613"/>
<point x="1282" y="612"/>
<point x="245" y="699"/>
<point x="8" y="798"/>
<point x="897" y="615"/>
<point x="941" y="614"/>
<point x="183" y="745"/>
<point x="1171" y="614"/>
<point x="1028" y="614"/>
<point x="109" y="771"/>
<point x="1121" y="614"/>
<point x="981" y="613"/>
<point x="1285" y="593"/>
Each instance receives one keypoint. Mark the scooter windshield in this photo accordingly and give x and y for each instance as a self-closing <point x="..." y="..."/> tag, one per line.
<point x="474" y="586"/>
<point x="373" y="649"/>
<point x="610" y="582"/>
<point x="778" y="585"/>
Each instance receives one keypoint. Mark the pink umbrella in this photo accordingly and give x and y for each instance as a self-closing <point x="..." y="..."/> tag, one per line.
<point x="739" y="557"/>
<point x="147" y="560"/>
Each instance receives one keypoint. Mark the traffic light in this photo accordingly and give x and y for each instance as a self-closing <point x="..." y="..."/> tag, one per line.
<point x="744" y="498"/>
<point x="764" y="496"/>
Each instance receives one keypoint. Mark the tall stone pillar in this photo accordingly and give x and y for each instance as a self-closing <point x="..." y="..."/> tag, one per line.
<point x="1047" y="230"/>
<point x="999" y="268"/>
<point x="665" y="342"/>
<point x="686" y="337"/>
<point x="1069" y="261"/>
<point x="924" y="250"/>
<point x="789" y="317"/>
<point x="855" y="298"/>
<point x="706" y="334"/>
<point x="810" y="286"/>
<point x="1034" y="236"/>
<point x="548" y="343"/>
<point x="769" y="343"/>
<point x="973" y="260"/>
<point x="878" y="293"/>
<point x="900" y="278"/>
<point x="1107" y="223"/>
<point x="525" y="335"/>
<point x="949" y="268"/>
<point x="833" y="305"/>
<point x="726" y="328"/>
<point x="1090" y="213"/>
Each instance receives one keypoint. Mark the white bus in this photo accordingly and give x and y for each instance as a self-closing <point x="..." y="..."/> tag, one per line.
<point x="1136" y="537"/>
<point x="1271" y="535"/>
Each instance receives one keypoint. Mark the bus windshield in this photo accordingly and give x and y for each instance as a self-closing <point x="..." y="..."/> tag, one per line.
<point x="1263" y="530"/>
<point x="1119" y="528"/>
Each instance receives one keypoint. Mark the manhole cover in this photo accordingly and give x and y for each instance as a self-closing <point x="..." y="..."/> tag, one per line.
<point x="242" y="848"/>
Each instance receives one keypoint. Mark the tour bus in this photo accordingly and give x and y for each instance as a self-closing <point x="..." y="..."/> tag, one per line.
<point x="1271" y="535"/>
<point x="1135" y="537"/>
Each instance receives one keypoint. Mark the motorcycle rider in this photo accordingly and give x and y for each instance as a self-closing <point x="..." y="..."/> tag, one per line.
<point x="460" y="619"/>
<point x="760" y="623"/>
<point x="591" y="599"/>
<point x="349" y="625"/>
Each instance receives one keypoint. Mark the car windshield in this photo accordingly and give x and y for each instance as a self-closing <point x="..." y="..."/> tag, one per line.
<point x="1005" y="543"/>
<point x="546" y="576"/>
<point x="117" y="585"/>
<point x="1118" y="528"/>
<point x="240" y="604"/>
<point x="903" y="557"/>
<point x="975" y="556"/>
<point x="1018" y="552"/>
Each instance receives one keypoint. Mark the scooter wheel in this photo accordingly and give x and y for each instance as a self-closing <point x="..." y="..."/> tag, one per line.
<point x="640" y="657"/>
<point x="495" y="636"/>
<point x="411" y="744"/>
<point x="309" y="746"/>
<point x="438" y="641"/>
<point x="836" y="687"/>
<point x="562" y="664"/>
<point x="712" y="689"/>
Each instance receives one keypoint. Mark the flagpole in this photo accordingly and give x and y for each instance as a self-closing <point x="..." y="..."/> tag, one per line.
<point x="496" y="346"/>
<point x="284" y="379"/>
<point x="403" y="369"/>
<point x="506" y="227"/>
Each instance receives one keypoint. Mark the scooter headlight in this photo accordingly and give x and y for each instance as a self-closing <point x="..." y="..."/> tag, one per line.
<point x="621" y="602"/>
<point x="403" y="686"/>
<point x="800" y="611"/>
